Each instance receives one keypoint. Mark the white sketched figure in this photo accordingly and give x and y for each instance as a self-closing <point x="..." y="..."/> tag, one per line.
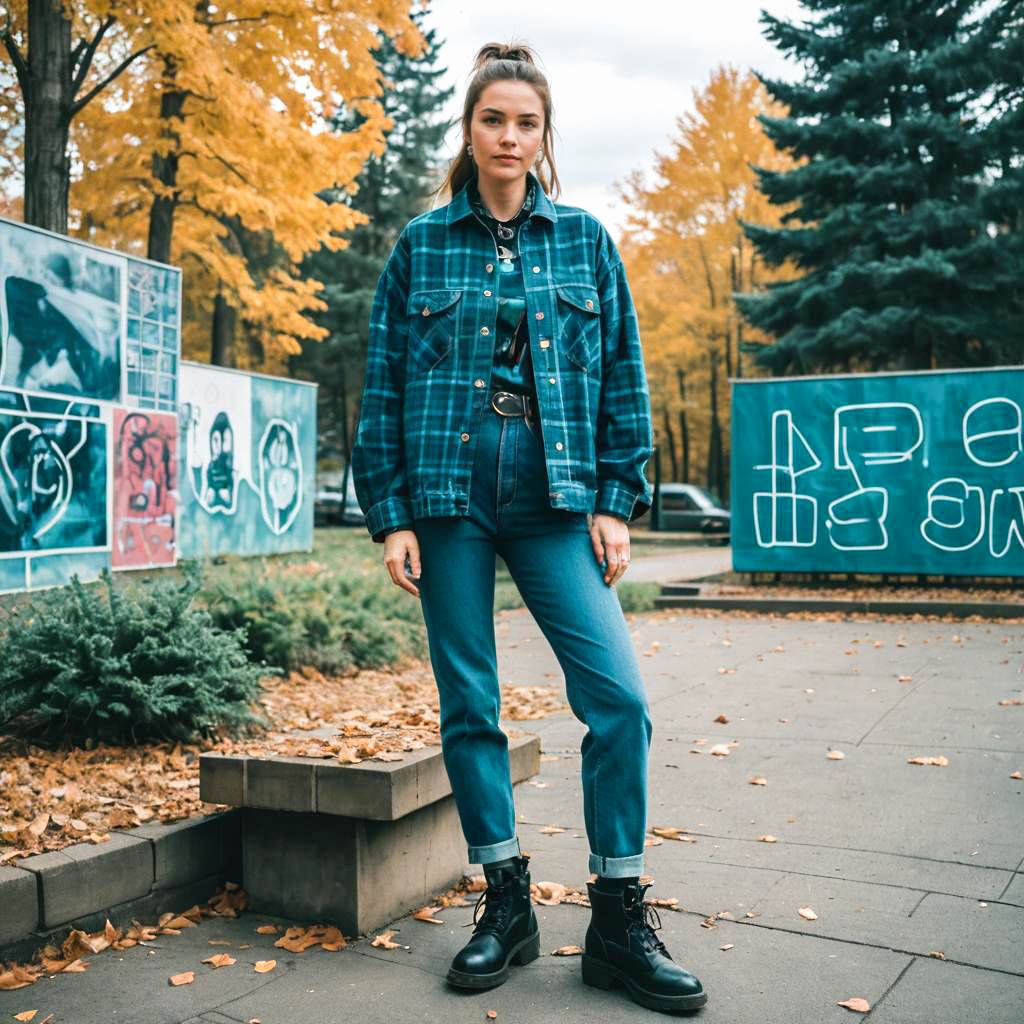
<point x="36" y="481"/>
<point x="789" y="519"/>
<point x="857" y="519"/>
<point x="280" y="475"/>
<point x="954" y="506"/>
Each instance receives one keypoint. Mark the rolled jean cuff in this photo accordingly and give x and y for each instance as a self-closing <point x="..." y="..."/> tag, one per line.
<point x="496" y="851"/>
<point x="617" y="867"/>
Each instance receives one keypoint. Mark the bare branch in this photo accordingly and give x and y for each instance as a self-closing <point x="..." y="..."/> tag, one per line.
<point x="19" y="62"/>
<point x="77" y="106"/>
<point x="87" y="55"/>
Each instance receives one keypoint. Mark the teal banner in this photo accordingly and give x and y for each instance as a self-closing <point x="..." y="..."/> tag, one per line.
<point x="882" y="473"/>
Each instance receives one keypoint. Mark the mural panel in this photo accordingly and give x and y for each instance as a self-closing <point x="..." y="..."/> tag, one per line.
<point x="54" y="481"/>
<point x="892" y="472"/>
<point x="246" y="452"/>
<point x="60" y="314"/>
<point x="145" y="494"/>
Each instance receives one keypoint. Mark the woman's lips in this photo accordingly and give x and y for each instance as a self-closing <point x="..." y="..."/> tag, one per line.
<point x="508" y="159"/>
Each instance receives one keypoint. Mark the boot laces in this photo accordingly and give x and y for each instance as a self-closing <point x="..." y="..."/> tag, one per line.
<point x="497" y="901"/>
<point x="642" y="915"/>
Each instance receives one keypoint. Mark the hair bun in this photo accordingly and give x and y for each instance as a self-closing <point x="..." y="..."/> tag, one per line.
<point x="503" y="51"/>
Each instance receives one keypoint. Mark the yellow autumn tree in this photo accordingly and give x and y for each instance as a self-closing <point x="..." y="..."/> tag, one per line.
<point x="211" y="147"/>
<point x="686" y="254"/>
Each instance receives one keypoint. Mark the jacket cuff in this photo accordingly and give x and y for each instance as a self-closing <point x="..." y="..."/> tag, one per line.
<point x="616" y="500"/>
<point x="387" y="515"/>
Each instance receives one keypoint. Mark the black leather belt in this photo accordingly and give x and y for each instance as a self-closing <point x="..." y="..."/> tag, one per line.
<point x="508" y="403"/>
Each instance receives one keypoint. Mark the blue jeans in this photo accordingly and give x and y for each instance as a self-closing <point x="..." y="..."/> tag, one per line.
<point x="550" y="556"/>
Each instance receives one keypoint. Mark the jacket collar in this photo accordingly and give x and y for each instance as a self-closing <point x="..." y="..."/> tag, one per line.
<point x="459" y="207"/>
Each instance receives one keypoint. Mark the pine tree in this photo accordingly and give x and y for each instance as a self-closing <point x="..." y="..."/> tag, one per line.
<point x="907" y="218"/>
<point x="391" y="189"/>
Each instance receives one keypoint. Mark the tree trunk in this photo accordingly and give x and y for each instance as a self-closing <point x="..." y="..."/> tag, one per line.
<point x="46" y="89"/>
<point x="684" y="429"/>
<point x="223" y="332"/>
<point x="165" y="168"/>
<point x="715" y="460"/>
<point x="670" y="443"/>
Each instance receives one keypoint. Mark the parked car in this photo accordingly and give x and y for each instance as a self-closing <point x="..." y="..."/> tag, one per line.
<point x="327" y="508"/>
<point x="690" y="507"/>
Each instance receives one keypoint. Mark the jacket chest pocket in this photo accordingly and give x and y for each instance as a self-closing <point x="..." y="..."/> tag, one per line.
<point x="433" y="315"/>
<point x="579" y="325"/>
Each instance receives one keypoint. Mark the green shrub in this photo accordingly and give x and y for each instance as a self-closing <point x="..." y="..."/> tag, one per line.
<point x="334" y="619"/>
<point x="76" y="670"/>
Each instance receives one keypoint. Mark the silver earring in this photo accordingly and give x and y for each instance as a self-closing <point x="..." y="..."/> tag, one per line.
<point x="469" y="149"/>
<point x="540" y="156"/>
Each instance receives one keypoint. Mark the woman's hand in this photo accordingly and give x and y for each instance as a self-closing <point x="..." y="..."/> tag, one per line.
<point x="398" y="546"/>
<point x="610" y="537"/>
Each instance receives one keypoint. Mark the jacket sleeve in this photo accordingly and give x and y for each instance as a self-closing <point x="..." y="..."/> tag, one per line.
<point x="378" y="458"/>
<point x="625" y="440"/>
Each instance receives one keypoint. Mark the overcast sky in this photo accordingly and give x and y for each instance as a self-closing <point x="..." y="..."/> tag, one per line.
<point x="620" y="73"/>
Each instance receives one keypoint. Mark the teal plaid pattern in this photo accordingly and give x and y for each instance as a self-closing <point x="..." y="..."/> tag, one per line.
<point x="431" y="346"/>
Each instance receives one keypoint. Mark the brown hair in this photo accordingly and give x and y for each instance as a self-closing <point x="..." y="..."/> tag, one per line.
<point x="496" y="62"/>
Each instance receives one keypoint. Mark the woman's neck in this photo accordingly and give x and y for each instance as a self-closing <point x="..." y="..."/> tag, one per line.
<point x="503" y="198"/>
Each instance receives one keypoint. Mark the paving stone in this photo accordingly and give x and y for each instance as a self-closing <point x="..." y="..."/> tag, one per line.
<point x="932" y="991"/>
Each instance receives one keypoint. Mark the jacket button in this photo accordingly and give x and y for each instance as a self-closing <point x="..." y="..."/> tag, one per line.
<point x="487" y="292"/>
<point x="558" y="445"/>
<point x="478" y="382"/>
<point x="465" y="437"/>
<point x="544" y="342"/>
<point x="489" y="267"/>
<point x="540" y="316"/>
<point x="536" y="270"/>
<point x="484" y="330"/>
<point x="426" y="311"/>
<point x="590" y="303"/>
<point x="551" y="380"/>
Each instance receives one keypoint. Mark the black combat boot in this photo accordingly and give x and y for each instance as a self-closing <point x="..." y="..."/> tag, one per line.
<point x="622" y="949"/>
<point x="507" y="930"/>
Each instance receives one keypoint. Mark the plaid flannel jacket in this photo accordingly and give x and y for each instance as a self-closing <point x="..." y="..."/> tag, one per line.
<point x="431" y="345"/>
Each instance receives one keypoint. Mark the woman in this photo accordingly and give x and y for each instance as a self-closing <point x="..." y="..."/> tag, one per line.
<point x="506" y="399"/>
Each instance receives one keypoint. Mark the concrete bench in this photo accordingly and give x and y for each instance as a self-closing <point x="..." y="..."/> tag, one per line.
<point x="356" y="845"/>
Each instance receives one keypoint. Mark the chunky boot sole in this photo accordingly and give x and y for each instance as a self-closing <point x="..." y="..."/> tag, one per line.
<point x="522" y="953"/>
<point x="601" y="975"/>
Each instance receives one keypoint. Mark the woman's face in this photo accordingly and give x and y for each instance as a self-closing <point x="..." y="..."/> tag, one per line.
<point x="508" y="121"/>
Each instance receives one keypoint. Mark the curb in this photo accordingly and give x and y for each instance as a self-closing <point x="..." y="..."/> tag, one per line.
<point x="959" y="609"/>
<point x="138" y="871"/>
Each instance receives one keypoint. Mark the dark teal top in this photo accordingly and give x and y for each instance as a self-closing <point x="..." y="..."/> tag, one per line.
<point x="512" y="369"/>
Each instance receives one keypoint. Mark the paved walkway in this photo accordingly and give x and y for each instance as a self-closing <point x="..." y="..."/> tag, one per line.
<point x="898" y="861"/>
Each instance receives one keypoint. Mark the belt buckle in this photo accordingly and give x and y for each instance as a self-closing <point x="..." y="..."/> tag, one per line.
<point x="498" y="396"/>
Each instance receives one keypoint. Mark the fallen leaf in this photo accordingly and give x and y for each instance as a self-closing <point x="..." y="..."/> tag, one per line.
<point x="940" y="759"/>
<point x="807" y="913"/>
<point x="938" y="954"/>
<point x="722" y="719"/>
<point x="550" y="830"/>
<point x="567" y="951"/>
<point x="1015" y="775"/>
<point x="856" y="1003"/>
<point x="264" y="966"/>
<point x="728" y="945"/>
<point x="185" y="978"/>
<point x="904" y="679"/>
<point x="758" y="780"/>
<point x="835" y="755"/>
<point x="383" y="941"/>
<point x="1010" y="702"/>
<point x="721" y="749"/>
<point x="268" y="929"/>
<point x="25" y="1015"/>
<point x="767" y="839"/>
<point x="220" y="960"/>
<point x="550" y="894"/>
<point x="427" y="914"/>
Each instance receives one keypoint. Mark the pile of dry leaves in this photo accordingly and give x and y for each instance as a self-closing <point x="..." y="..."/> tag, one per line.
<point x="51" y="799"/>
